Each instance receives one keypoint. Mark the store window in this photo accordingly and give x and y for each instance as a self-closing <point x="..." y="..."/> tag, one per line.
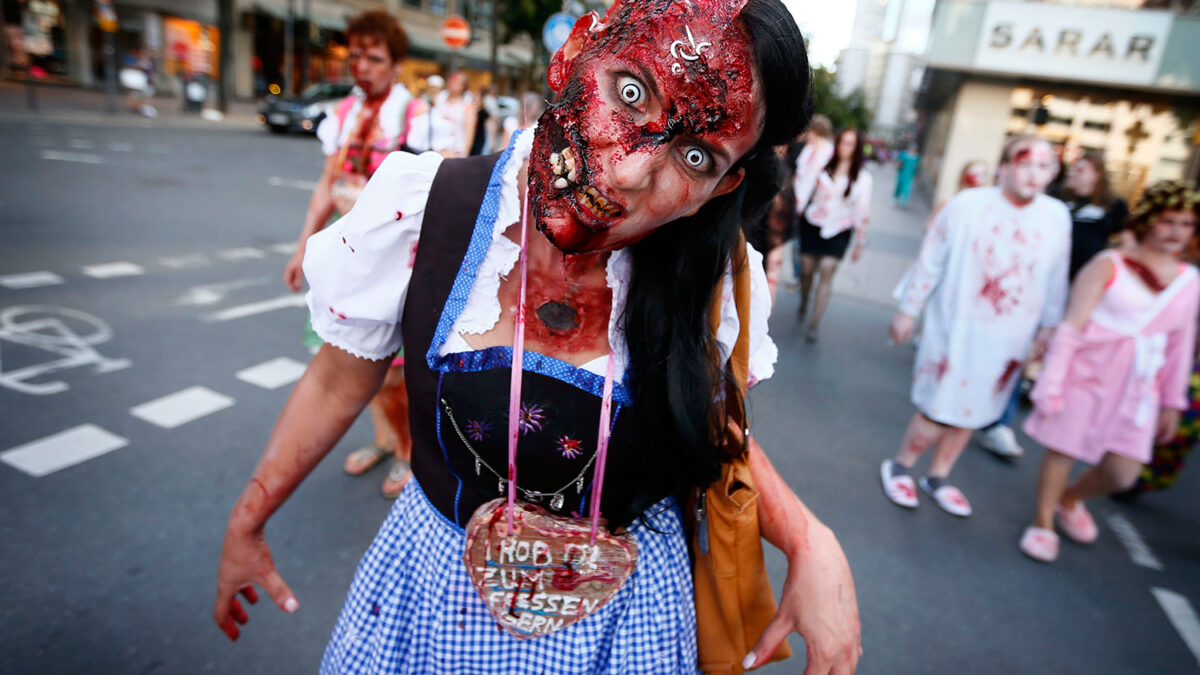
<point x="191" y="48"/>
<point x="415" y="4"/>
<point x="437" y="7"/>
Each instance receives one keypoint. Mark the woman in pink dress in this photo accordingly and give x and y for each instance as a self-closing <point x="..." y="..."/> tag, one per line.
<point x="1117" y="371"/>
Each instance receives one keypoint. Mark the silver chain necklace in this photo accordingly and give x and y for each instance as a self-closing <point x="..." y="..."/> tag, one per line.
<point x="556" y="498"/>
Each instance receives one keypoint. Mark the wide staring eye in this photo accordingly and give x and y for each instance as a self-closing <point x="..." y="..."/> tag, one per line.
<point x="631" y="90"/>
<point x="696" y="158"/>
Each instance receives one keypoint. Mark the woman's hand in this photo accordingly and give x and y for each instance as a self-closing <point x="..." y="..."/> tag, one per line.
<point x="293" y="271"/>
<point x="1168" y="425"/>
<point x="857" y="253"/>
<point x="901" y="329"/>
<point x="245" y="562"/>
<point x="820" y="604"/>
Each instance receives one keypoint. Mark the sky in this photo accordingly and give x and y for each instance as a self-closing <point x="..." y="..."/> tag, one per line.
<point x="826" y="23"/>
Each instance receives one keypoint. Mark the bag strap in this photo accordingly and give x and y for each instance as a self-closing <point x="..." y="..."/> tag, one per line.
<point x="739" y="357"/>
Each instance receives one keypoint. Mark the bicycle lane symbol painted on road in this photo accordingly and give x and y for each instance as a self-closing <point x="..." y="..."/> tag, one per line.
<point x="68" y="334"/>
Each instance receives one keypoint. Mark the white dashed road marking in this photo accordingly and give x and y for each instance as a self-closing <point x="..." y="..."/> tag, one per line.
<point x="177" y="262"/>
<point x="181" y="407"/>
<point x="114" y="269"/>
<point x="30" y="280"/>
<point x="1182" y="616"/>
<point x="293" y="183"/>
<point x="78" y="157"/>
<point x="67" y="448"/>
<point x="241" y="253"/>
<point x="273" y="374"/>
<point x="120" y="146"/>
<point x="283" y="302"/>
<point x="1139" y="552"/>
<point x="285" y="248"/>
<point x="211" y="294"/>
<point x="82" y="144"/>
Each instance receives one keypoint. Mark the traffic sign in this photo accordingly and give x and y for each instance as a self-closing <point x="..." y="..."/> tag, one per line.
<point x="557" y="30"/>
<point x="456" y="32"/>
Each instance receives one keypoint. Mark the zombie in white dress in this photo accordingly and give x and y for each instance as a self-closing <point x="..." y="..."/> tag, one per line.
<point x="989" y="274"/>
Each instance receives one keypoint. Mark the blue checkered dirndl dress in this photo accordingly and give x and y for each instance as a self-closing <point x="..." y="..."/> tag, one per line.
<point x="412" y="608"/>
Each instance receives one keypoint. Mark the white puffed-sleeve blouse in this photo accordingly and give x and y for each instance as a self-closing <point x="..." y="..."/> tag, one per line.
<point x="360" y="267"/>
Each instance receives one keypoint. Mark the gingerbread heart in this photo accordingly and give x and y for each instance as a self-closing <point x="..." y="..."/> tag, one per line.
<point x="547" y="573"/>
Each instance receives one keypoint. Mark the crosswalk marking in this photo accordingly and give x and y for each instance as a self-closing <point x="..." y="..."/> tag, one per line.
<point x="286" y="248"/>
<point x="77" y="157"/>
<point x="81" y="144"/>
<point x="113" y="269"/>
<point x="67" y="448"/>
<point x="1139" y="552"/>
<point x="120" y="146"/>
<point x="30" y="280"/>
<point x="176" y="409"/>
<point x="293" y="183"/>
<point x="250" y="309"/>
<point x="177" y="262"/>
<point x="1182" y="616"/>
<point x="241" y="253"/>
<point x="273" y="374"/>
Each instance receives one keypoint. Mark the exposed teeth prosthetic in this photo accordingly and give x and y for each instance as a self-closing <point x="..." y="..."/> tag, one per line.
<point x="563" y="163"/>
<point x="596" y="202"/>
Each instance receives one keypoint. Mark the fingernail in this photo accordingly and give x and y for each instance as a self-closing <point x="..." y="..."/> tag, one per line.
<point x="749" y="660"/>
<point x="290" y="605"/>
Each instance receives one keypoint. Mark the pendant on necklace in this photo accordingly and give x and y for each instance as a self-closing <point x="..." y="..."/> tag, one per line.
<point x="478" y="466"/>
<point x="579" y="485"/>
<point x="501" y="488"/>
<point x="556" y="502"/>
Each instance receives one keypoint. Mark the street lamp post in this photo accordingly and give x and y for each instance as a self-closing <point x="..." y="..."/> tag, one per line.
<point x="288" y="46"/>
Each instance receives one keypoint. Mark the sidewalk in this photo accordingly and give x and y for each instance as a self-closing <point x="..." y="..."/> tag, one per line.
<point x="56" y="103"/>
<point x="893" y="239"/>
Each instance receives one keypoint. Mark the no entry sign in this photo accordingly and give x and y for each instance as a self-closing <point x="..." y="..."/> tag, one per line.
<point x="456" y="32"/>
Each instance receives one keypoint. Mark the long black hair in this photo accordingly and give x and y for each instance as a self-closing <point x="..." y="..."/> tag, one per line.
<point x="676" y="376"/>
<point x="856" y="160"/>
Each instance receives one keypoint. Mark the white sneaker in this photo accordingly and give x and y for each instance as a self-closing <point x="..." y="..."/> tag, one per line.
<point x="1001" y="440"/>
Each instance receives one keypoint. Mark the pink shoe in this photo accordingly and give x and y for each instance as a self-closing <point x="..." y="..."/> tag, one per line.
<point x="902" y="490"/>
<point x="1077" y="524"/>
<point x="1040" y="544"/>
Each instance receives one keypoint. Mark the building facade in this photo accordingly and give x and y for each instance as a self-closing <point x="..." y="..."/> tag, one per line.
<point x="183" y="40"/>
<point x="885" y="61"/>
<point x="1121" y="77"/>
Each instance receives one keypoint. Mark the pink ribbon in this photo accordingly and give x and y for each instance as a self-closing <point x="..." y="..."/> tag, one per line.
<point x="514" y="394"/>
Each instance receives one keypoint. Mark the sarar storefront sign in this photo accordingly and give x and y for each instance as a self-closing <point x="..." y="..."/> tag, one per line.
<point x="1077" y="43"/>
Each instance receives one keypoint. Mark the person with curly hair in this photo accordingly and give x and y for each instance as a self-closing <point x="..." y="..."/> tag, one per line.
<point x="1116" y="374"/>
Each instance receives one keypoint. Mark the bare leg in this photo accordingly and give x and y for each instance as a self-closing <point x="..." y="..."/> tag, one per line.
<point x="1052" y="482"/>
<point x="922" y="433"/>
<point x="389" y="412"/>
<point x="774" y="267"/>
<point x="1114" y="474"/>
<point x="808" y="267"/>
<point x="949" y="447"/>
<point x="825" y="268"/>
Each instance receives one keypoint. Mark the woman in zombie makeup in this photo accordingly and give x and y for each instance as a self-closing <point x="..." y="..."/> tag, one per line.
<point x="638" y="178"/>
<point x="363" y="129"/>
<point x="840" y="207"/>
<point x="1116" y="375"/>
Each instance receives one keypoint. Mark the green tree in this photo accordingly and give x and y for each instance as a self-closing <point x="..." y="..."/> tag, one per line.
<point x="842" y="111"/>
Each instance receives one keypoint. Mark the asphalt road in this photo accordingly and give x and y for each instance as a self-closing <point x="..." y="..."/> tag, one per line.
<point x="109" y="560"/>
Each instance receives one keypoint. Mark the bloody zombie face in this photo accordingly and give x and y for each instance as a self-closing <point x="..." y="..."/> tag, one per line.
<point x="1032" y="167"/>
<point x="656" y="104"/>
<point x="372" y="66"/>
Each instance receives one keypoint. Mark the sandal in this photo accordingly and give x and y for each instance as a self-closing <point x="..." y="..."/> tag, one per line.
<point x="364" y="459"/>
<point x="949" y="498"/>
<point x="398" y="476"/>
<point x="1077" y="523"/>
<point x="900" y="489"/>
<point x="1039" y="544"/>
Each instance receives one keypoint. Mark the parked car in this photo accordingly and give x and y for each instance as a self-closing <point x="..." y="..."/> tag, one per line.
<point x="304" y="112"/>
